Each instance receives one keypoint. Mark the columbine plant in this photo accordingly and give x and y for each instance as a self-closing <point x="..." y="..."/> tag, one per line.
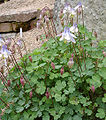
<point x="63" y="80"/>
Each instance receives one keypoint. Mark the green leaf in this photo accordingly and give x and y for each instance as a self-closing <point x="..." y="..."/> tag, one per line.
<point x="71" y="85"/>
<point x="95" y="81"/>
<point x="74" y="100"/>
<point x="21" y="94"/>
<point x="28" y="104"/>
<point x="43" y="64"/>
<point x="58" y="97"/>
<point x="104" y="98"/>
<point x="67" y="117"/>
<point x="41" y="88"/>
<point x="26" y="115"/>
<point x="21" y="102"/>
<point x="27" y="91"/>
<point x="89" y="64"/>
<point x="89" y="112"/>
<point x="19" y="109"/>
<point x="46" y="116"/>
<point x="56" y="117"/>
<point x="52" y="112"/>
<point x="76" y="117"/>
<point x="8" y="111"/>
<point x="100" y="114"/>
<point x="66" y="74"/>
<point x="60" y="85"/>
<point x="102" y="72"/>
<point x="58" y="66"/>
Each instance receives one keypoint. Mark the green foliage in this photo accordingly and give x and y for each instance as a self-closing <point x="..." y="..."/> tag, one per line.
<point x="75" y="94"/>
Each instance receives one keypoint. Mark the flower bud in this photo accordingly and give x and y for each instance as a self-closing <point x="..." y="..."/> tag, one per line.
<point x="95" y="34"/>
<point x="46" y="19"/>
<point x="104" y="53"/>
<point x="38" y="24"/>
<point x="61" y="15"/>
<point x="62" y="23"/>
<point x="51" y="13"/>
<point x="72" y="55"/>
<point x="30" y="94"/>
<point x="18" y="86"/>
<point x="22" y="81"/>
<point x="30" y="58"/>
<point x="47" y="94"/>
<point x="93" y="88"/>
<point x="2" y="69"/>
<point x="8" y="82"/>
<point x="81" y="49"/>
<point x="8" y="42"/>
<point x="62" y="70"/>
<point x="53" y="65"/>
<point x="13" y="49"/>
<point x="79" y="10"/>
<point x="71" y="62"/>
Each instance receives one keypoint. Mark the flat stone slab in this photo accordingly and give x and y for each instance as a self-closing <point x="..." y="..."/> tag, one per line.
<point x="22" y="10"/>
<point x="23" y="16"/>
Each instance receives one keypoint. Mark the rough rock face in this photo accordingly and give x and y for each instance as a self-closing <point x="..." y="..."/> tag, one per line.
<point x="94" y="15"/>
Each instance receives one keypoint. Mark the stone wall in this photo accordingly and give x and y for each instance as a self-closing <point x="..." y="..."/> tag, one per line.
<point x="94" y="15"/>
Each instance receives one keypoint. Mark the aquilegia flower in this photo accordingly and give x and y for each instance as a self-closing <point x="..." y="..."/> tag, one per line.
<point x="4" y="53"/>
<point x="74" y="28"/>
<point x="72" y="12"/>
<point x="67" y="8"/>
<point x="79" y="7"/>
<point x="66" y="35"/>
<point x="1" y="41"/>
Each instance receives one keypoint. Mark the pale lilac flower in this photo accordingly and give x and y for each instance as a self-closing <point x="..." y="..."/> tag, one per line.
<point x="79" y="7"/>
<point x="38" y="24"/>
<point x="72" y="12"/>
<point x="19" y="43"/>
<point x="74" y="28"/>
<point x="67" y="8"/>
<point x="1" y="41"/>
<point x="4" y="52"/>
<point x="67" y="35"/>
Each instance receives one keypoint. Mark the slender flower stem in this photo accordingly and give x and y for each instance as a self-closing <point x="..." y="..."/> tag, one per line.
<point x="83" y="17"/>
<point x="84" y="58"/>
<point x="51" y="99"/>
<point x="49" y="33"/>
<point x="79" y="38"/>
<point x="4" y="102"/>
<point x="44" y="30"/>
<point x="77" y="57"/>
<point x="54" y="26"/>
<point x="77" y="17"/>
<point x="72" y="78"/>
<point x="3" y="79"/>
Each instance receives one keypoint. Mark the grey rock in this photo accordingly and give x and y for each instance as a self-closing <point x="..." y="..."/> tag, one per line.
<point x="94" y="15"/>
